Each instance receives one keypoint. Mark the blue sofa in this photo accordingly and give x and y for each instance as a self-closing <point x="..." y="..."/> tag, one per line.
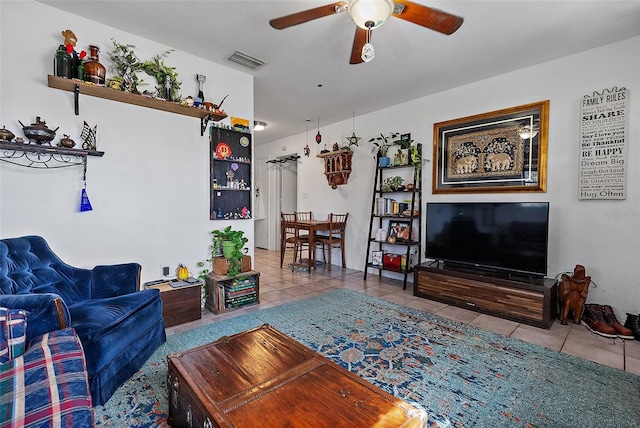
<point x="119" y="326"/>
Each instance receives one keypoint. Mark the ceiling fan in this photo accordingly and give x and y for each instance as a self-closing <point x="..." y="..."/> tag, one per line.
<point x="371" y="14"/>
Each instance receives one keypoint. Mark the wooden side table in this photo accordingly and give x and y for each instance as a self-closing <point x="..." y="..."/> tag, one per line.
<point x="181" y="304"/>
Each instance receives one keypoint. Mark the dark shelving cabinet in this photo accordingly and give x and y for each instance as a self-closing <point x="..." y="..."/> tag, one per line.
<point x="230" y="155"/>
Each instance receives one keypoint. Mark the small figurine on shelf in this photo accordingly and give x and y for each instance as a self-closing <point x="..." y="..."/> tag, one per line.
<point x="219" y="214"/>
<point x="167" y="87"/>
<point x="229" y="175"/>
<point x="88" y="136"/>
<point x="127" y="79"/>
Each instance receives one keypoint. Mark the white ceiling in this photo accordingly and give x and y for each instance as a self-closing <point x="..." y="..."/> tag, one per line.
<point x="411" y="62"/>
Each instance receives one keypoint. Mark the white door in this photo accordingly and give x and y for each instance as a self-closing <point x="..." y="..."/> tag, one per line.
<point x="278" y="188"/>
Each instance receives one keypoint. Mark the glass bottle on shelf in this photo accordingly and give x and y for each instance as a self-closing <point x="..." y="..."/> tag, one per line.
<point x="62" y="63"/>
<point x="93" y="70"/>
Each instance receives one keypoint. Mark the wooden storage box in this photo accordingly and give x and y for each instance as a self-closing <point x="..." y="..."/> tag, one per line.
<point x="180" y="305"/>
<point x="262" y="378"/>
<point x="221" y="265"/>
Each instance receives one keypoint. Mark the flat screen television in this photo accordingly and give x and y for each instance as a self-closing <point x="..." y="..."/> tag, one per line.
<point x="502" y="238"/>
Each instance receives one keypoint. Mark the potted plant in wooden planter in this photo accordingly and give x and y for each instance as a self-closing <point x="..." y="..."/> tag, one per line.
<point x="233" y="247"/>
<point x="231" y="244"/>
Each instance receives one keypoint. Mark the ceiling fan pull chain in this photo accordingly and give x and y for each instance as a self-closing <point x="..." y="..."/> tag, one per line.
<point x="367" y="50"/>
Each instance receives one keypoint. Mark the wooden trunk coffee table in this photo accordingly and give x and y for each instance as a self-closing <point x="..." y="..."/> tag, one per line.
<point x="262" y="378"/>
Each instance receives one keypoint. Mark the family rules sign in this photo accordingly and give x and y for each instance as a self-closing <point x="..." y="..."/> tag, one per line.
<point x="603" y="145"/>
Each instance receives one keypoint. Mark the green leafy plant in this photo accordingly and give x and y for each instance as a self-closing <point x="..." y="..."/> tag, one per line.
<point x="382" y="143"/>
<point x="237" y="244"/>
<point x="403" y="144"/>
<point x="393" y="183"/>
<point x="155" y="67"/>
<point x="122" y="57"/>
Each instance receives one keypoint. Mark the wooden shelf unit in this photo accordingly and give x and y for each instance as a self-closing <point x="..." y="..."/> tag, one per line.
<point x="129" y="98"/>
<point x="230" y="200"/>
<point x="533" y="304"/>
<point x="381" y="220"/>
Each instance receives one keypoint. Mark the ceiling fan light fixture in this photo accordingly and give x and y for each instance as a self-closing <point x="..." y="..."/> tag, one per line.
<point x="370" y="14"/>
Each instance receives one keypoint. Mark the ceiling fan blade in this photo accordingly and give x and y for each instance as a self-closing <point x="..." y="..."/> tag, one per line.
<point x="359" y="40"/>
<point x="307" y="15"/>
<point x="428" y="17"/>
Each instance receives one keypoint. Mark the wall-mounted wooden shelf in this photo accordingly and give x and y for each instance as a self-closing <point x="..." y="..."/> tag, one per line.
<point x="129" y="98"/>
<point x="337" y="166"/>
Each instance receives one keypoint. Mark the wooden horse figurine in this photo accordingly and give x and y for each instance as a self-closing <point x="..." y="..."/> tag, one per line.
<point x="572" y="294"/>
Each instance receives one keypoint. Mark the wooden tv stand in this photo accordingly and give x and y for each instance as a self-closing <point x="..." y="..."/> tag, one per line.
<point x="531" y="304"/>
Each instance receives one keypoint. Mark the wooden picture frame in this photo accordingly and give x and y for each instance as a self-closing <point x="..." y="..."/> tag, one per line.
<point x="499" y="151"/>
<point x="400" y="230"/>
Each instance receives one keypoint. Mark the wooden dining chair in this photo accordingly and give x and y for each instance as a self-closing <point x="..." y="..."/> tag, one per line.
<point x="304" y="215"/>
<point x="290" y="237"/>
<point x="335" y="238"/>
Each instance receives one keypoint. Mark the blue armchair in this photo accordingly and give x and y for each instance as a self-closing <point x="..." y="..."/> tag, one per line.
<point x="119" y="326"/>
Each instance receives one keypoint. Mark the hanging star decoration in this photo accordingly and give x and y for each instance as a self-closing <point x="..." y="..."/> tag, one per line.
<point x="353" y="140"/>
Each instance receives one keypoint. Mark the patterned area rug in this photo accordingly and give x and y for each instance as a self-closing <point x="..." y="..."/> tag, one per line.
<point x="460" y="375"/>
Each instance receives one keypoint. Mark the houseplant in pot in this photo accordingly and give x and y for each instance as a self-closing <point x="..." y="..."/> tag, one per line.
<point x="234" y="241"/>
<point x="233" y="247"/>
<point x="381" y="146"/>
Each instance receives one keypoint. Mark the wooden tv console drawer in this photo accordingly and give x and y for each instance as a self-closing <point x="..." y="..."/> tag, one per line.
<point x="526" y="303"/>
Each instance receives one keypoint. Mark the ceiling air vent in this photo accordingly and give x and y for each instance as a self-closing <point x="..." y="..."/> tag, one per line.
<point x="246" y="60"/>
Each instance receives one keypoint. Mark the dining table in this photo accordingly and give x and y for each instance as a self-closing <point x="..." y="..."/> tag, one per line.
<point x="312" y="226"/>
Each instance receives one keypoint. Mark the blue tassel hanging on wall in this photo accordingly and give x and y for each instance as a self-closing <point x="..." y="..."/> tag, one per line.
<point x="85" y="204"/>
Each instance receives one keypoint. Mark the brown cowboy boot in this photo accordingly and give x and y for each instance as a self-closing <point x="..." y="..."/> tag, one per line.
<point x="612" y="321"/>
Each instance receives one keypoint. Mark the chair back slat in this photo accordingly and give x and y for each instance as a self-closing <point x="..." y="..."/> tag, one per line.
<point x="338" y="223"/>
<point x="304" y="215"/>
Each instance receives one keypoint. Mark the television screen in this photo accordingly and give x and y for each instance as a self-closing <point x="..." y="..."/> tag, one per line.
<point x="508" y="237"/>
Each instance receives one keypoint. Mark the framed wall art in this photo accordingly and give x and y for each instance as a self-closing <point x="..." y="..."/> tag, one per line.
<point x="499" y="151"/>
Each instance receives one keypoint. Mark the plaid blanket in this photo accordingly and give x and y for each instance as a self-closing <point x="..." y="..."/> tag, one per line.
<point x="47" y="386"/>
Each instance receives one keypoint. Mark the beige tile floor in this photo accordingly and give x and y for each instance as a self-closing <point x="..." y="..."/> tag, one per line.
<point x="279" y="286"/>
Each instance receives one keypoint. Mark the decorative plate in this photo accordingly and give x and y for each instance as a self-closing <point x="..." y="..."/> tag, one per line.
<point x="223" y="150"/>
<point x="234" y="166"/>
<point x="244" y="141"/>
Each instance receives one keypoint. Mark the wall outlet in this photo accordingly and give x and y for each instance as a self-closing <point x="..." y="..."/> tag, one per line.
<point x="165" y="270"/>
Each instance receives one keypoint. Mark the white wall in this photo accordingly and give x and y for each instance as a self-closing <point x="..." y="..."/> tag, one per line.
<point x="604" y="235"/>
<point x="150" y="190"/>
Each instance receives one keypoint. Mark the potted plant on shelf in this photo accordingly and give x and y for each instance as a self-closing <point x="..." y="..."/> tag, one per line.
<point x="392" y="183"/>
<point x="381" y="146"/>
<point x="404" y="150"/>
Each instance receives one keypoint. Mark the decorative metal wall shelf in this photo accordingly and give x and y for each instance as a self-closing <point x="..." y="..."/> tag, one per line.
<point x="31" y="155"/>
<point x="78" y="87"/>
